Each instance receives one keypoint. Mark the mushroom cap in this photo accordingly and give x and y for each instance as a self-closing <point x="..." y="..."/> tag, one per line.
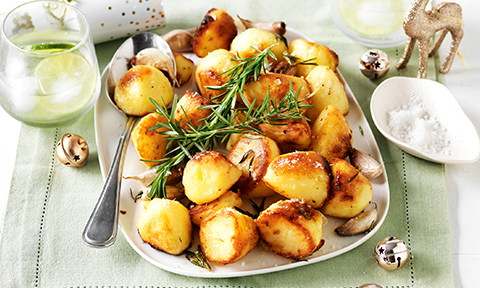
<point x="72" y="150"/>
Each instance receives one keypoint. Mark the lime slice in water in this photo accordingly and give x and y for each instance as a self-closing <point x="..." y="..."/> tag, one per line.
<point x="52" y="71"/>
<point x="48" y="48"/>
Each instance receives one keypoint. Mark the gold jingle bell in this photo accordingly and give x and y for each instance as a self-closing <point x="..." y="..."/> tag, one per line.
<point x="374" y="63"/>
<point x="72" y="150"/>
<point x="391" y="253"/>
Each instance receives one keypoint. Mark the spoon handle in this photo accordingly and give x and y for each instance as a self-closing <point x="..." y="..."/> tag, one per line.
<point x="101" y="228"/>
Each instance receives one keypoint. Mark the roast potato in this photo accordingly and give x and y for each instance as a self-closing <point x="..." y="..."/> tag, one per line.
<point x="184" y="68"/>
<point x="331" y="134"/>
<point x="302" y="175"/>
<point x="208" y="175"/>
<point x="187" y="110"/>
<point x="259" y="39"/>
<point x="350" y="193"/>
<point x="165" y="225"/>
<point x="293" y="135"/>
<point x="216" y="31"/>
<point x="150" y="145"/>
<point x="210" y="72"/>
<point x="291" y="228"/>
<point x="327" y="89"/>
<point x="137" y="86"/>
<point x="252" y="154"/>
<point x="227" y="235"/>
<point x="198" y="212"/>
<point x="306" y="50"/>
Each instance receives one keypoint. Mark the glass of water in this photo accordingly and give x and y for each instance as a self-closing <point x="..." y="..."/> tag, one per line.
<point x="49" y="73"/>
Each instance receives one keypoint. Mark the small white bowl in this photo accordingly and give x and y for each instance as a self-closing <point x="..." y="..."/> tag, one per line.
<point x="393" y="93"/>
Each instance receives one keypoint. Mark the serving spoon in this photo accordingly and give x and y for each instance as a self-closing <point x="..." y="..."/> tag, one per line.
<point x="102" y="226"/>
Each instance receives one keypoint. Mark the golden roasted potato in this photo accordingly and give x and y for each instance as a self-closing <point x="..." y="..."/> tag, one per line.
<point x="302" y="175"/>
<point x="278" y="85"/>
<point x="227" y="235"/>
<point x="331" y="134"/>
<point x="291" y="228"/>
<point x="209" y="72"/>
<point x="150" y="145"/>
<point x="351" y="192"/>
<point x="165" y="225"/>
<point x="198" y="212"/>
<point x="327" y="89"/>
<point x="294" y="135"/>
<point x="306" y="50"/>
<point x="259" y="39"/>
<point x="208" y="175"/>
<point x="216" y="31"/>
<point x="188" y="105"/>
<point x="252" y="154"/>
<point x="137" y="86"/>
<point x="184" y="68"/>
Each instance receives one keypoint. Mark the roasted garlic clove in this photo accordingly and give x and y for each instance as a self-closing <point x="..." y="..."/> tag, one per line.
<point x="147" y="177"/>
<point x="72" y="150"/>
<point x="156" y="58"/>
<point x="363" y="222"/>
<point x="368" y="166"/>
<point x="180" y="40"/>
<point x="283" y="67"/>
<point x="276" y="27"/>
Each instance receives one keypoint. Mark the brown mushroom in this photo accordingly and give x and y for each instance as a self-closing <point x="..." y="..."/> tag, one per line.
<point x="72" y="150"/>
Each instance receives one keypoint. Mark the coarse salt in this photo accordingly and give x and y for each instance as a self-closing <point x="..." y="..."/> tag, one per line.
<point x="413" y="124"/>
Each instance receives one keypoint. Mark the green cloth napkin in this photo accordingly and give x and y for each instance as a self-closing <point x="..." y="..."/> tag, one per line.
<point x="49" y="204"/>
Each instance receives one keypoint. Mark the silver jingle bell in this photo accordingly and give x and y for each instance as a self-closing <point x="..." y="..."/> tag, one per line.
<point x="374" y="63"/>
<point x="391" y="253"/>
<point x="72" y="150"/>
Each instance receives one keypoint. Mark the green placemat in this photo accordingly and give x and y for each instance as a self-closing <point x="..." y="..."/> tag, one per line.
<point x="49" y="204"/>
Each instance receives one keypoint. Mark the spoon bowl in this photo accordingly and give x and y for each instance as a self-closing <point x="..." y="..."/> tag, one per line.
<point x="102" y="226"/>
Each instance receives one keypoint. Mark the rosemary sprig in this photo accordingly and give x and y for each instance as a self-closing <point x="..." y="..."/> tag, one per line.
<point x="198" y="258"/>
<point x="221" y="122"/>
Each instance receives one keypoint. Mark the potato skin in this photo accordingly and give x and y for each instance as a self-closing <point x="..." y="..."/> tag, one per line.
<point x="259" y="39"/>
<point x="306" y="50"/>
<point x="227" y="235"/>
<point x="216" y="31"/>
<point x="294" y="135"/>
<point x="331" y="134"/>
<point x="291" y="229"/>
<point x="327" y="90"/>
<point x="165" y="225"/>
<point x="184" y="68"/>
<point x="351" y="192"/>
<point x="261" y="151"/>
<point x="135" y="88"/>
<point x="189" y="104"/>
<point x="150" y="145"/>
<point x="209" y="72"/>
<point x="208" y="175"/>
<point x="198" y="212"/>
<point x="302" y="175"/>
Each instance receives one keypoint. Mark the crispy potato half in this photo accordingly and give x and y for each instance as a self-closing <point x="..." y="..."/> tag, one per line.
<point x="302" y="175"/>
<point x="331" y="134"/>
<point x="227" y="235"/>
<point x="252" y="154"/>
<point x="137" y="86"/>
<point x="150" y="145"/>
<point x="216" y="31"/>
<point x="291" y="228"/>
<point x="165" y="225"/>
<point x="208" y="175"/>
<point x="198" y="212"/>
<point x="327" y="89"/>
<point x="292" y="135"/>
<point x="184" y="68"/>
<point x="261" y="40"/>
<point x="187" y="110"/>
<point x="210" y="72"/>
<point x="306" y="50"/>
<point x="351" y="192"/>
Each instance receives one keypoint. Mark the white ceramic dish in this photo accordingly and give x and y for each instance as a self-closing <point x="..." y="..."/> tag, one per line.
<point x="108" y="125"/>
<point x="394" y="92"/>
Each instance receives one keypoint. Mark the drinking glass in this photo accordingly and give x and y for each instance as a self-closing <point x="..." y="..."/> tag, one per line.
<point x="49" y="73"/>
